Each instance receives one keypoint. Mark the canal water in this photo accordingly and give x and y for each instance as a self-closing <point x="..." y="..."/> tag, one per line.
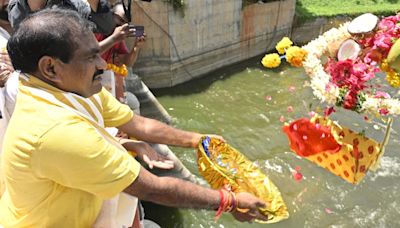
<point x="247" y="104"/>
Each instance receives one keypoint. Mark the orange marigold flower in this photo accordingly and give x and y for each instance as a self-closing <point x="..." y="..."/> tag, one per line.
<point x="295" y="56"/>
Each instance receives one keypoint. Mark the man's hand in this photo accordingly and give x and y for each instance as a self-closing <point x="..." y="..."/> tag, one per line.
<point x="217" y="137"/>
<point x="196" y="138"/>
<point x="247" y="209"/>
<point x="147" y="154"/>
<point x="6" y="68"/>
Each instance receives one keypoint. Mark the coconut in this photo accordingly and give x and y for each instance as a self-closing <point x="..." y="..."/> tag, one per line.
<point x="393" y="57"/>
<point x="349" y="49"/>
<point x="362" y="24"/>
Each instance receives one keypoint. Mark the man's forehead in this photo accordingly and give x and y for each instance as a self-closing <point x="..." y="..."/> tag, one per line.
<point x="87" y="44"/>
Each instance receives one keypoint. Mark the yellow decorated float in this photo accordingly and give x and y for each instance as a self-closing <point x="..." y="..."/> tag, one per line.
<point x="221" y="165"/>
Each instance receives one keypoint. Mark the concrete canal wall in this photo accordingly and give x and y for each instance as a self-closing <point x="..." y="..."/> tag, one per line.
<point x="208" y="35"/>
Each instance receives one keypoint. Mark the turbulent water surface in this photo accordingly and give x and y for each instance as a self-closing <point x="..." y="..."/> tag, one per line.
<point x="247" y="104"/>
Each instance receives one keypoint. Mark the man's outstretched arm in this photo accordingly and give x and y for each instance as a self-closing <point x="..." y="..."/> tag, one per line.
<point x="174" y="192"/>
<point x="154" y="131"/>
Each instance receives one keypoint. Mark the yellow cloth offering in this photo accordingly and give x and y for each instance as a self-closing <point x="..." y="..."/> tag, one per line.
<point x="356" y="156"/>
<point x="221" y="164"/>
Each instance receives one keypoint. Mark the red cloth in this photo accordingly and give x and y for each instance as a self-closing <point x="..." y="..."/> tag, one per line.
<point x="307" y="138"/>
<point x="119" y="48"/>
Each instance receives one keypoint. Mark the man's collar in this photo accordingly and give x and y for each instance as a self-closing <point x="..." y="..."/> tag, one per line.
<point x="33" y="81"/>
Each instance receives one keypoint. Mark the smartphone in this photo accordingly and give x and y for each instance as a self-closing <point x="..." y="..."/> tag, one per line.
<point x="139" y="30"/>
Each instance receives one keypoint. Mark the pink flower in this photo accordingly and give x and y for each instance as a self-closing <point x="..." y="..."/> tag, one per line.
<point x="387" y="24"/>
<point x="328" y="211"/>
<point x="311" y="114"/>
<point x="297" y="176"/>
<point x="340" y="71"/>
<point x="351" y="74"/>
<point x="290" y="109"/>
<point x="383" y="111"/>
<point x="368" y="76"/>
<point x="268" y="98"/>
<point x="329" y="111"/>
<point x="381" y="94"/>
<point x="282" y="119"/>
<point x="292" y="89"/>
<point x="383" y="41"/>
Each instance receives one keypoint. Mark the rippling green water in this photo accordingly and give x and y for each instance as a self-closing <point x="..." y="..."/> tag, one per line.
<point x="232" y="103"/>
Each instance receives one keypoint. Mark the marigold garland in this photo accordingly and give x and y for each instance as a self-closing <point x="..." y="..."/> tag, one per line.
<point x="120" y="70"/>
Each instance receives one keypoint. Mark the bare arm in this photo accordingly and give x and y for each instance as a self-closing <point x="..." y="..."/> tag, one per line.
<point x="154" y="131"/>
<point x="130" y="58"/>
<point x="175" y="192"/>
<point x="119" y="34"/>
<point x="172" y="192"/>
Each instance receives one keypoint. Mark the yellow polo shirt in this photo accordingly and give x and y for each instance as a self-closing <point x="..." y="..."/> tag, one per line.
<point x="57" y="168"/>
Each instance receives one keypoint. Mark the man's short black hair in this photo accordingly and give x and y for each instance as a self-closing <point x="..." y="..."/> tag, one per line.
<point x="49" y="32"/>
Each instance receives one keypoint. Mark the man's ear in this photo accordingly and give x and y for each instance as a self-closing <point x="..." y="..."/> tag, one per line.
<point x="47" y="68"/>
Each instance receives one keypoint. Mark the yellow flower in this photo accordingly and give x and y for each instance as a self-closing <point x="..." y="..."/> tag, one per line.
<point x="385" y="66"/>
<point x="120" y="70"/>
<point x="283" y="44"/>
<point x="295" y="56"/>
<point x="271" y="60"/>
<point x="393" y="79"/>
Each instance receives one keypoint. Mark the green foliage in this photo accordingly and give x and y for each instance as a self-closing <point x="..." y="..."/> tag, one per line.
<point x="340" y="99"/>
<point x="307" y="9"/>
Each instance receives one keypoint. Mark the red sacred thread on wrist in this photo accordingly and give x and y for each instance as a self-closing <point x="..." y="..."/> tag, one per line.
<point x="221" y="205"/>
<point x="228" y="202"/>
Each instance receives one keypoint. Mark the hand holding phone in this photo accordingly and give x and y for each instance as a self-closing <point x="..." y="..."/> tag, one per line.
<point x="138" y="30"/>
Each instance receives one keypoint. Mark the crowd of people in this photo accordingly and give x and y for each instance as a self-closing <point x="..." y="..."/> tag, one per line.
<point x="61" y="162"/>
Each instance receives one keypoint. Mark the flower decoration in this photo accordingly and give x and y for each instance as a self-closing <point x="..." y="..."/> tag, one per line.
<point x="283" y="45"/>
<point x="120" y="70"/>
<point x="294" y="55"/>
<point x="271" y="60"/>
<point x="347" y="82"/>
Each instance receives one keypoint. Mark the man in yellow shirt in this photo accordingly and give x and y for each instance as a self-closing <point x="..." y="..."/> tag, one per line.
<point x="59" y="164"/>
